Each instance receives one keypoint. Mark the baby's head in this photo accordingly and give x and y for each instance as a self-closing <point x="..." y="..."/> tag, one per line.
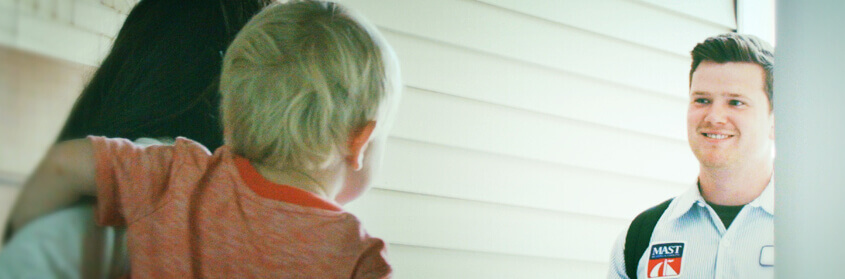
<point x="308" y="85"/>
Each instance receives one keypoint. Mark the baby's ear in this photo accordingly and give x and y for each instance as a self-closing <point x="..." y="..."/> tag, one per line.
<point x="357" y="144"/>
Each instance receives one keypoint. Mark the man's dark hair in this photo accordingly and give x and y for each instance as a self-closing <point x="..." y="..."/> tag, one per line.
<point x="732" y="47"/>
<point x="160" y="78"/>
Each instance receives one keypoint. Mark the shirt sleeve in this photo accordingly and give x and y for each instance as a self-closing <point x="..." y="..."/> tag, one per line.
<point x="617" y="259"/>
<point x="373" y="262"/>
<point x="131" y="180"/>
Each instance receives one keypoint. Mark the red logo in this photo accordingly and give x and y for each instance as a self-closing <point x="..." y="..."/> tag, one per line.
<point x="665" y="260"/>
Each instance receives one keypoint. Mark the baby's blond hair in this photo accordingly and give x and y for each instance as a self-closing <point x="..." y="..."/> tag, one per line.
<point x="299" y="79"/>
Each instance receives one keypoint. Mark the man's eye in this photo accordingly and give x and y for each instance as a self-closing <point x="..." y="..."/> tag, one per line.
<point x="701" y="101"/>
<point x="736" y="103"/>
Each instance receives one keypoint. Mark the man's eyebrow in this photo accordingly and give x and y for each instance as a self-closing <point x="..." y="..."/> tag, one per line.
<point x="729" y="95"/>
<point x="734" y="95"/>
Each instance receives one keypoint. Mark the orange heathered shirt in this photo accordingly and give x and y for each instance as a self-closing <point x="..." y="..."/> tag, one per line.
<point x="191" y="214"/>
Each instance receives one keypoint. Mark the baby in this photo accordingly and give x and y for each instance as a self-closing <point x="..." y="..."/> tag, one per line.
<point x="308" y="89"/>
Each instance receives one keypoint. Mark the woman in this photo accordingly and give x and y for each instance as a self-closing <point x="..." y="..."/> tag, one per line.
<point x="159" y="81"/>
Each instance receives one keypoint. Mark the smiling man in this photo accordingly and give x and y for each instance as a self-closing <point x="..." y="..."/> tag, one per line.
<point x="723" y="226"/>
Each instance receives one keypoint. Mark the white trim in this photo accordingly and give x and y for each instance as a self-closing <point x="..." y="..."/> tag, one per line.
<point x="756" y="17"/>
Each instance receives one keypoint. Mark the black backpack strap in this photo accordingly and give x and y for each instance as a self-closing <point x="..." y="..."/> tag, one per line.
<point x="639" y="236"/>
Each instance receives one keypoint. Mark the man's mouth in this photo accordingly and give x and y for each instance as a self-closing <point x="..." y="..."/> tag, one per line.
<point x="716" y="136"/>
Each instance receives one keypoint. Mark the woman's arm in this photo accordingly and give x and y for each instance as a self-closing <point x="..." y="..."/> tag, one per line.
<point x="65" y="174"/>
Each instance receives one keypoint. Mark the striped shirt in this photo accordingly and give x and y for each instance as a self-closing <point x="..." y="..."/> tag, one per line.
<point x="690" y="241"/>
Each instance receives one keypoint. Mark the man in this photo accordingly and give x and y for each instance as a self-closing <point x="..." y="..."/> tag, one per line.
<point x="723" y="226"/>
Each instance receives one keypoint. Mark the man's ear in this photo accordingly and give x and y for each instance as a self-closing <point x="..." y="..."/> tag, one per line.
<point x="358" y="141"/>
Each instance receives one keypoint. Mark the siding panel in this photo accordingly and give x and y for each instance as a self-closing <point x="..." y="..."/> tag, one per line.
<point x="716" y="11"/>
<point x="493" y="30"/>
<point x="437" y="170"/>
<point x="417" y="220"/>
<point x="59" y="40"/>
<point x="419" y="262"/>
<point x="457" y="122"/>
<point x="623" y="19"/>
<point x="462" y="72"/>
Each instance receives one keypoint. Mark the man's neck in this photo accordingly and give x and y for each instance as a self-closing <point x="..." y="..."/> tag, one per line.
<point x="734" y="186"/>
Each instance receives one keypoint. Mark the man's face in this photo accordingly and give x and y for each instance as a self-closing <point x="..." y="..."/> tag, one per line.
<point x="729" y="122"/>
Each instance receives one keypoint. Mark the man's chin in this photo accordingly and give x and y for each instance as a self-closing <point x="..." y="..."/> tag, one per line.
<point x="714" y="163"/>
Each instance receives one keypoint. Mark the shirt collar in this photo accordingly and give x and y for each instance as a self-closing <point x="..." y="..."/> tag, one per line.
<point x="766" y="200"/>
<point x="685" y="201"/>
<point x="285" y="193"/>
<point x="692" y="196"/>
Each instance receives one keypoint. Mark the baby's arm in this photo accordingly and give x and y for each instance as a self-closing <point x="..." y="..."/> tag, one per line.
<point x="65" y="174"/>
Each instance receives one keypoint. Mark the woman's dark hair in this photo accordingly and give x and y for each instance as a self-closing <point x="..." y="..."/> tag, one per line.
<point x="160" y="78"/>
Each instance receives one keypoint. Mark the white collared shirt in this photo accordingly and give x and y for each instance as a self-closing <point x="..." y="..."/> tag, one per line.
<point x="745" y="250"/>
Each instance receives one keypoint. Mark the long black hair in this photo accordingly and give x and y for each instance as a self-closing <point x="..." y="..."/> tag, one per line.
<point x="160" y="78"/>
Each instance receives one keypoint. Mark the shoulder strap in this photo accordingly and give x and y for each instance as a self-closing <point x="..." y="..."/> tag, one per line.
<point x="639" y="236"/>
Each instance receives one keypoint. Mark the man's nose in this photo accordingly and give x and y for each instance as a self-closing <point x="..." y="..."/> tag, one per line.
<point x="716" y="114"/>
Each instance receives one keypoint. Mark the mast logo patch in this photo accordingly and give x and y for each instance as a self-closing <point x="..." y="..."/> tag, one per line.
<point x="665" y="260"/>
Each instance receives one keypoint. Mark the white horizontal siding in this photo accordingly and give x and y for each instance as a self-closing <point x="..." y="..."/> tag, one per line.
<point x="122" y="6"/>
<point x="437" y="170"/>
<point x="8" y="4"/>
<point x="627" y="20"/>
<point x="64" y="11"/>
<point x="417" y="220"/>
<point x="40" y="7"/>
<point x="61" y="40"/>
<point x="714" y="11"/>
<point x="80" y="31"/>
<point x="8" y="26"/>
<point x="424" y="263"/>
<point x="458" y="122"/>
<point x="96" y="18"/>
<point x="470" y="74"/>
<point x="489" y="29"/>
<point x="520" y="122"/>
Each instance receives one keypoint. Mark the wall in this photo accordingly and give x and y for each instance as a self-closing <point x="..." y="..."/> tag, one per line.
<point x="810" y="125"/>
<point x="530" y="132"/>
<point x="48" y="49"/>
